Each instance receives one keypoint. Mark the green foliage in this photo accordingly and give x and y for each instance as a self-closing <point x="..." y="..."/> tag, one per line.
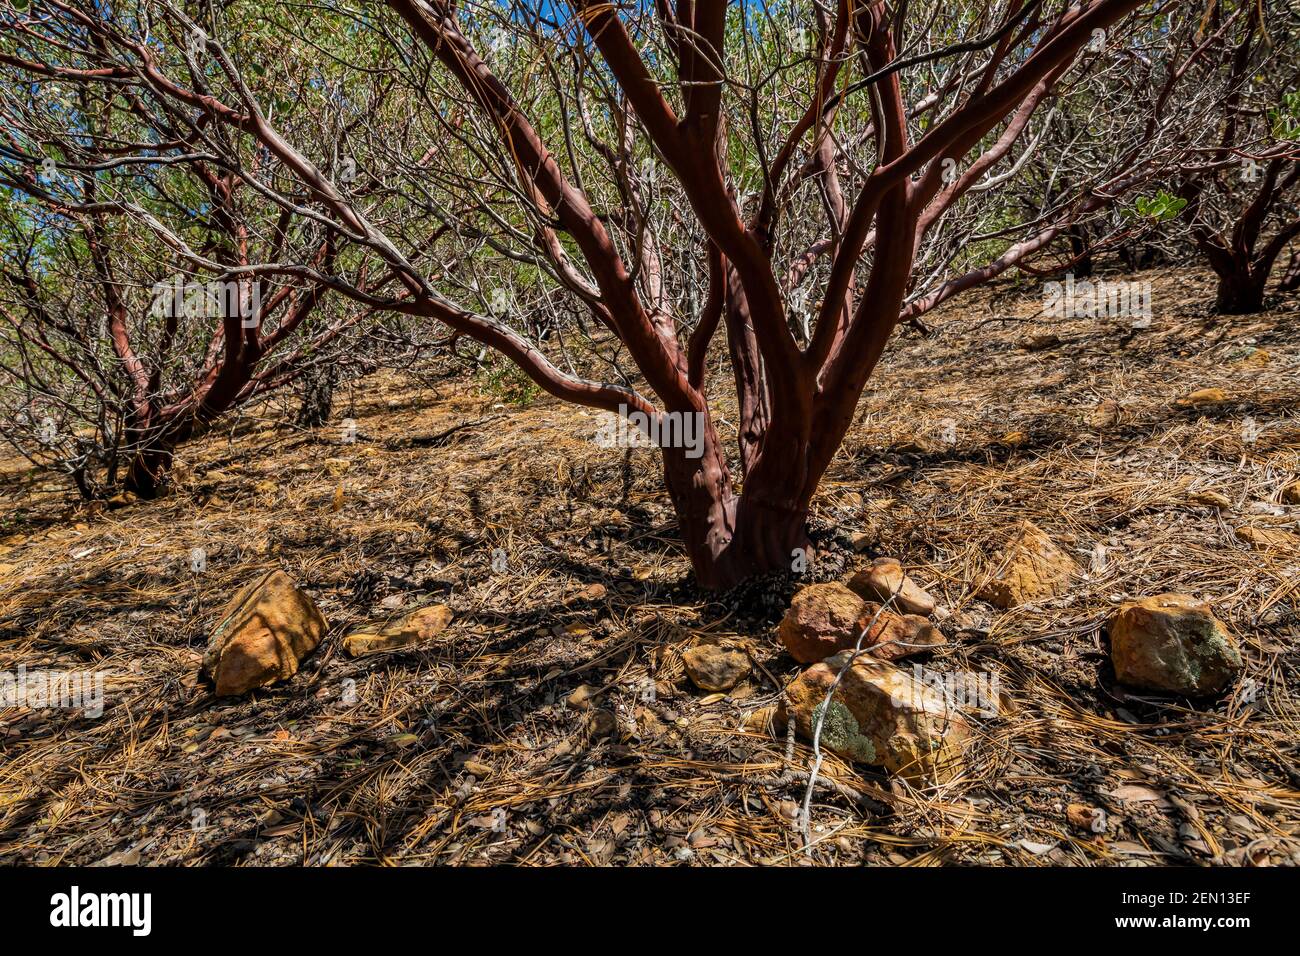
<point x="506" y="382"/>
<point x="1285" y="119"/>
<point x="1161" y="207"/>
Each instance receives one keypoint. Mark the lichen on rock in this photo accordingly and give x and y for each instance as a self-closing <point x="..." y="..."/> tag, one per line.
<point x="841" y="732"/>
<point x="1172" y="643"/>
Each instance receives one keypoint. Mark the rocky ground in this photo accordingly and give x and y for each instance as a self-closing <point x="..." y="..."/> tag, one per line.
<point x="564" y="694"/>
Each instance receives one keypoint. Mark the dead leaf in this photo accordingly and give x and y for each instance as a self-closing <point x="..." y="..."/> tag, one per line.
<point x="1132" y="793"/>
<point x="1037" y="849"/>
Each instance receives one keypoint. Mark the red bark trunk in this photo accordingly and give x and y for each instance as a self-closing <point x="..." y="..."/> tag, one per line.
<point x="1240" y="292"/>
<point x="731" y="537"/>
<point x="148" y="472"/>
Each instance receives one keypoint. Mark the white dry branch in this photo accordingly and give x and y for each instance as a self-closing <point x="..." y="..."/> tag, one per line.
<point x="819" y="714"/>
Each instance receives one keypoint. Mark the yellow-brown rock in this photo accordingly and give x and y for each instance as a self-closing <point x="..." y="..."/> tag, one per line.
<point x="886" y="578"/>
<point x="1269" y="539"/>
<point x="1204" y="396"/>
<point x="1172" y="643"/>
<point x="418" y="625"/>
<point x="262" y="635"/>
<point x="1030" y="568"/>
<point x="880" y="715"/>
<point x="712" y="667"/>
<point x="1106" y="414"/>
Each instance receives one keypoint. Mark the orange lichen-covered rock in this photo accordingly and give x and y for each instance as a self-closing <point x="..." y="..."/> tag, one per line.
<point x="1172" y="643"/>
<point x="262" y="635"/>
<point x="880" y="715"/>
<point x="1030" y="568"/>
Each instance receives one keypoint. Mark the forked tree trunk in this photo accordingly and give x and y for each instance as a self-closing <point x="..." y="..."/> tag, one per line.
<point x="730" y="537"/>
<point x="153" y="444"/>
<point x="149" y="469"/>
<point x="153" y="450"/>
<point x="795" y="401"/>
<point x="1242" y="257"/>
<point x="154" y="434"/>
<point x="1242" y="276"/>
